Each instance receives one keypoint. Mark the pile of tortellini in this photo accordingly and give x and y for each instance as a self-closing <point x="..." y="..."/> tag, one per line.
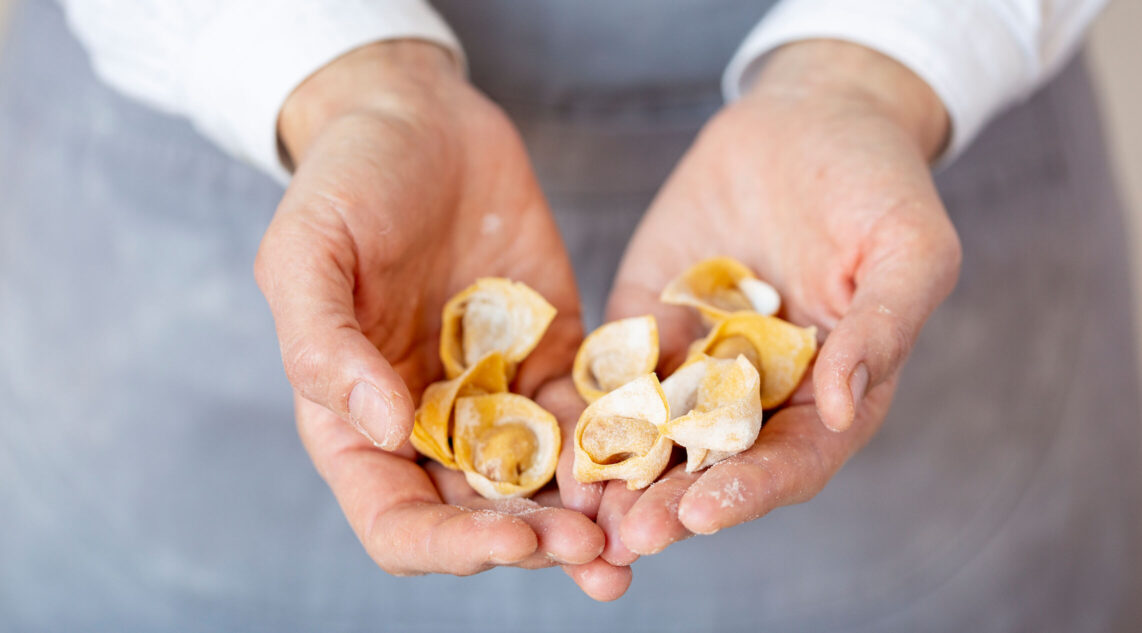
<point x="713" y="405"/>
<point x="505" y="444"/>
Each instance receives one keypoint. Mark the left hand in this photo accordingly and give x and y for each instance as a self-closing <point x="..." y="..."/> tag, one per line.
<point x="818" y="179"/>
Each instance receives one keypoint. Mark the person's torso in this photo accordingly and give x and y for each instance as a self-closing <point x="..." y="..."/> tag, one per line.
<point x="600" y="54"/>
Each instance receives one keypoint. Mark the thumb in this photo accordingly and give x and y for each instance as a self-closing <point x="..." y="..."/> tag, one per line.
<point x="308" y="281"/>
<point x="906" y="276"/>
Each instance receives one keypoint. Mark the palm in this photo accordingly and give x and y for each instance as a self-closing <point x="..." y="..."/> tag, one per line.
<point x="454" y="215"/>
<point x="803" y="208"/>
<point x="824" y="203"/>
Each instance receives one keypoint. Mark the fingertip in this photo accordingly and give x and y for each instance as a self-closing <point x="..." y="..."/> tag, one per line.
<point x="508" y="540"/>
<point x="838" y="403"/>
<point x="599" y="580"/>
<point x="651" y="525"/>
<point x="582" y="498"/>
<point x="645" y="533"/>
<point x="399" y="426"/>
<point x="698" y="512"/>
<point x="616" y="550"/>
<point x="573" y="495"/>
<point x="730" y="493"/>
<point x="617" y="553"/>
<point x="721" y="498"/>
<point x="639" y="537"/>
<point x="590" y="548"/>
<point x="858" y="386"/>
<point x="617" y="502"/>
<point x="571" y="539"/>
<point x="834" y="400"/>
<point x="594" y="540"/>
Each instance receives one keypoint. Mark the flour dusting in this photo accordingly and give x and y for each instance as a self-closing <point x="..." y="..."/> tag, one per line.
<point x="731" y="494"/>
<point x="485" y="517"/>
<point x="490" y="224"/>
<point x="518" y="507"/>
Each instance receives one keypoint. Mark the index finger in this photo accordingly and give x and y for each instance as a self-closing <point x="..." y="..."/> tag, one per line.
<point x="396" y="512"/>
<point x="791" y="461"/>
<point x="563" y="536"/>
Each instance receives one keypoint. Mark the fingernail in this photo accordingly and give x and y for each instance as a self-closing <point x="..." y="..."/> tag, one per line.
<point x="858" y="384"/>
<point x="371" y="414"/>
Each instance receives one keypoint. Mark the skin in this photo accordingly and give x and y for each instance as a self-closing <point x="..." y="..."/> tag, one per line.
<point x="399" y="166"/>
<point x="818" y="179"/>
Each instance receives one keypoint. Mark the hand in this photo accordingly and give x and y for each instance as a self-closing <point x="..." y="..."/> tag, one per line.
<point x="409" y="185"/>
<point x="817" y="179"/>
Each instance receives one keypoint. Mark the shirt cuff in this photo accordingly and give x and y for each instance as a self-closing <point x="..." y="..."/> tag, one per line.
<point x="250" y="58"/>
<point x="966" y="50"/>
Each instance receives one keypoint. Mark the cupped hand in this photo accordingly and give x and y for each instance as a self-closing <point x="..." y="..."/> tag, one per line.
<point x="818" y="179"/>
<point x="409" y="185"/>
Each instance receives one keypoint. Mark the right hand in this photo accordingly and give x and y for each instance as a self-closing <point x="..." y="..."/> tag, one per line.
<point x="817" y="179"/>
<point x="410" y="185"/>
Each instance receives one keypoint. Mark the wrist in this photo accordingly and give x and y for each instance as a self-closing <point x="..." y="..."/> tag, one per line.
<point x="396" y="77"/>
<point x="850" y="73"/>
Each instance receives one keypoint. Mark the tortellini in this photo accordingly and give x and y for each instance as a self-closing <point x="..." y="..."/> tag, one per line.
<point x="720" y="286"/>
<point x="779" y="350"/>
<point x="505" y="444"/>
<point x="619" y="435"/>
<point x="614" y="355"/>
<point x="715" y="409"/>
<point x="713" y="406"/>
<point x="492" y="315"/>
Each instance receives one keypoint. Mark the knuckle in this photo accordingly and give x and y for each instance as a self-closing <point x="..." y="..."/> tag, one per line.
<point x="900" y="334"/>
<point x="382" y="552"/>
<point x="888" y="341"/>
<point x="952" y="253"/>
<point x="915" y="223"/>
<point x="890" y="347"/>
<point x="305" y="367"/>
<point x="263" y="265"/>
<point x="914" y="238"/>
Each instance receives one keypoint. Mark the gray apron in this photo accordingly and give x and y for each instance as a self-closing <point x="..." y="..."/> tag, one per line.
<point x="151" y="479"/>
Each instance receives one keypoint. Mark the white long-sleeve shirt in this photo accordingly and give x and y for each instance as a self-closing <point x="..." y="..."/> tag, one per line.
<point x="229" y="65"/>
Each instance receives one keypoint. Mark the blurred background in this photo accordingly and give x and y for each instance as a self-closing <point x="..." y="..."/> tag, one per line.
<point x="1113" y="53"/>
